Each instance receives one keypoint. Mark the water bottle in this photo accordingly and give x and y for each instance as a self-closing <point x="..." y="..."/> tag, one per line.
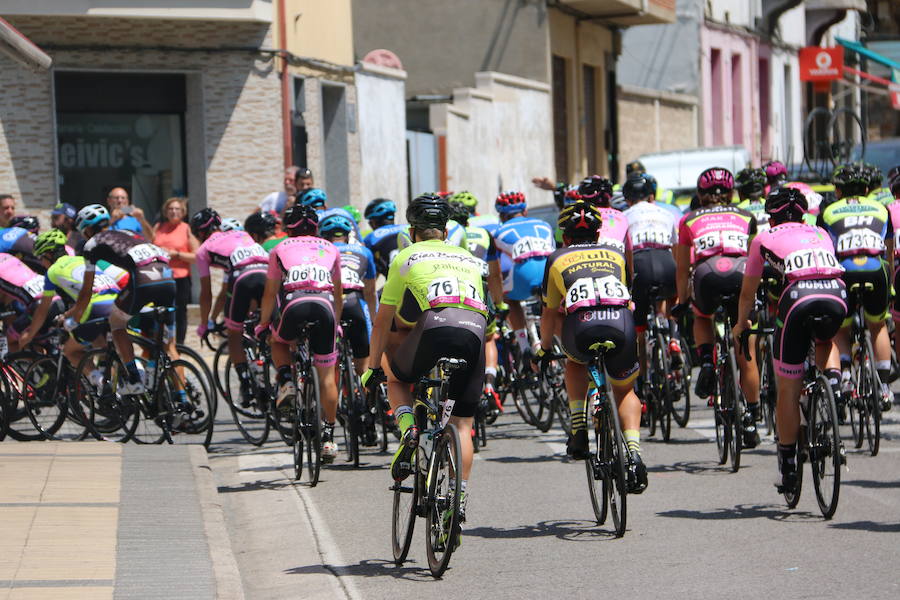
<point x="256" y="368"/>
<point x="150" y="374"/>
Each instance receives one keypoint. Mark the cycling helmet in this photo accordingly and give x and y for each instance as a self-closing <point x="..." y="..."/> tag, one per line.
<point x="467" y="199"/>
<point x="260" y="223"/>
<point x="775" y="171"/>
<point x="314" y="197"/>
<point x="301" y="220"/>
<point x="635" y="166"/>
<point x="459" y="212"/>
<point x="379" y="209"/>
<point x="715" y="180"/>
<point x="28" y="222"/>
<point x="893" y="173"/>
<point x="751" y="181"/>
<point x="851" y="180"/>
<point x="50" y="242"/>
<point x="652" y="181"/>
<point x="354" y="212"/>
<point x="204" y="221"/>
<point x="428" y="211"/>
<point x="572" y="196"/>
<point x="637" y="187"/>
<point x="231" y="224"/>
<point x="335" y="224"/>
<point x="786" y="204"/>
<point x="596" y="190"/>
<point x="894" y="185"/>
<point x="581" y="220"/>
<point x="875" y="176"/>
<point x="92" y="215"/>
<point x="510" y="202"/>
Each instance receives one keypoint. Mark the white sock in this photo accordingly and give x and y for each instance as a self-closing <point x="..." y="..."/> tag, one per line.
<point x="522" y="338"/>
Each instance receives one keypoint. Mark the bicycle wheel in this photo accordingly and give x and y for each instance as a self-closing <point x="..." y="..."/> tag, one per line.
<point x="868" y="387"/>
<point x="768" y="393"/>
<point x="107" y="414"/>
<point x="193" y="417"/>
<point x="383" y="421"/>
<point x="681" y="379"/>
<point x="664" y="388"/>
<point x="312" y="425"/>
<point x="251" y="421"/>
<point x="734" y="413"/>
<point x="354" y="426"/>
<point x="442" y="503"/>
<point x="190" y="355"/>
<point x="792" y="498"/>
<point x="45" y="396"/>
<point x="298" y="437"/>
<point x="613" y="461"/>
<point x="825" y="456"/>
<point x="403" y="514"/>
<point x="595" y="470"/>
<point x="723" y="431"/>
<point x="4" y="399"/>
<point x="18" y="425"/>
<point x="219" y="366"/>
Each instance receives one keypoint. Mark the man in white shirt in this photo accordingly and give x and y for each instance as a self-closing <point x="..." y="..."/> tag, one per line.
<point x="295" y="180"/>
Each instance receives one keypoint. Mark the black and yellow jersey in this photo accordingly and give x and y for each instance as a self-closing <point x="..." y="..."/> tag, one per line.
<point x="583" y="276"/>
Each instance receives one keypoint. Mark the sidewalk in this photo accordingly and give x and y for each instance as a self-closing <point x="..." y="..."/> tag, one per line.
<point x="102" y="520"/>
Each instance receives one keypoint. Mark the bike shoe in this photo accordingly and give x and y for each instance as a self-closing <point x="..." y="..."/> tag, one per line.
<point x="284" y="402"/>
<point x="887" y="397"/>
<point x="637" y="474"/>
<point x="246" y="395"/>
<point x="401" y="465"/>
<point x="789" y="479"/>
<point x="329" y="446"/>
<point x="751" y="436"/>
<point x="133" y="388"/>
<point x="577" y="445"/>
<point x="445" y="533"/>
<point x="706" y="381"/>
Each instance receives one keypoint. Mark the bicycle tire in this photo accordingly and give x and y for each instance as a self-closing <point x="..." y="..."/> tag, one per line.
<point x="615" y="483"/>
<point x="825" y="448"/>
<point x="404" y="511"/>
<point x="665" y="397"/>
<point x="193" y="357"/>
<point x="736" y="415"/>
<point x="298" y="438"/>
<point x="355" y="416"/>
<point x="46" y="403"/>
<point x="682" y="385"/>
<point x="18" y="425"/>
<point x="443" y="494"/>
<point x="109" y="416"/>
<point x="379" y="397"/>
<point x="4" y="399"/>
<point x="312" y="411"/>
<point x="195" y="415"/>
<point x="869" y="396"/>
<point x="792" y="498"/>
<point x="594" y="472"/>
<point x="252" y="423"/>
<point x="221" y="351"/>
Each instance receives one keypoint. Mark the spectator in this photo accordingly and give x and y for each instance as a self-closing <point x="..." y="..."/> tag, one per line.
<point x="304" y="180"/>
<point x="278" y="201"/>
<point x="62" y="217"/>
<point x="7" y="209"/>
<point x="174" y="235"/>
<point x="123" y="215"/>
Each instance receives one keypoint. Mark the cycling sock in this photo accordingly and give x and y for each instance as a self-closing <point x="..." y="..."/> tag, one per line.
<point x="884" y="370"/>
<point x="243" y="372"/>
<point x="284" y="374"/>
<point x="490" y="374"/>
<point x="845" y="362"/>
<point x="788" y="454"/>
<point x="834" y="380"/>
<point x="633" y="440"/>
<point x="405" y="418"/>
<point x="579" y="418"/>
<point x="462" y="485"/>
<point x="706" y="352"/>
<point x="522" y="338"/>
<point x="753" y="410"/>
<point x="134" y="372"/>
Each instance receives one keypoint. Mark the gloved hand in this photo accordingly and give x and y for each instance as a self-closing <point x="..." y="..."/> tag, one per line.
<point x="501" y="309"/>
<point x="543" y="357"/>
<point x="203" y="328"/>
<point x="69" y="324"/>
<point x="260" y="329"/>
<point x="372" y="377"/>
<point x="340" y="331"/>
<point x="680" y="309"/>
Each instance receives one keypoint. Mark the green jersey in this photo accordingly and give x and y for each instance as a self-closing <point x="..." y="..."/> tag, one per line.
<point x="65" y="278"/>
<point x="433" y="274"/>
<point x="269" y="244"/>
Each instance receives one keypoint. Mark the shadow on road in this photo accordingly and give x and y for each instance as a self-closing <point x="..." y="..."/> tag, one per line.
<point x="572" y="531"/>
<point x="869" y="526"/>
<point x="527" y="459"/>
<point x="369" y="568"/>
<point x="691" y="467"/>
<point x="254" y="486"/>
<point x="744" y="511"/>
<point x="868" y="483"/>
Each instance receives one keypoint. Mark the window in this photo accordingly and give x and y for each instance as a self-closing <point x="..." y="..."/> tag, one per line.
<point x="560" y="118"/>
<point x="764" y="111"/>
<point x="715" y="73"/>
<point x="737" y="101"/>
<point x="590" y="118"/>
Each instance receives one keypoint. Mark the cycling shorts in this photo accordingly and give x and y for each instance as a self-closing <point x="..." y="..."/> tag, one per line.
<point x="715" y="277"/>
<point x="356" y="313"/>
<point x="652" y="267"/>
<point x="875" y="302"/>
<point x="149" y="284"/>
<point x="800" y="301"/>
<point x="524" y="279"/>
<point x="96" y="324"/>
<point x="21" y="322"/>
<point x="298" y="308"/>
<point x="449" y="332"/>
<point x="895" y="304"/>
<point x="588" y="326"/>
<point x="245" y="288"/>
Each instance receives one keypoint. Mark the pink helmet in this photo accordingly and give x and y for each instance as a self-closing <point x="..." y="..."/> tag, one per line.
<point x="775" y="169"/>
<point x="716" y="177"/>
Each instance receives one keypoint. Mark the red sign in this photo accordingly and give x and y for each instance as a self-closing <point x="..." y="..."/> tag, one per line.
<point x="895" y="89"/>
<point x="821" y="64"/>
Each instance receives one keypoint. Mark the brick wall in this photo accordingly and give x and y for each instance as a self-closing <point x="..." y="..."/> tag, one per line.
<point x="240" y="155"/>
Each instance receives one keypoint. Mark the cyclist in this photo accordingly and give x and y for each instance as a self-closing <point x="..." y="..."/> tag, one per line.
<point x="21" y="290"/>
<point x="358" y="283"/>
<point x="750" y="184"/>
<point x="528" y="243"/>
<point x="810" y="276"/>
<point x="861" y="230"/>
<point x="383" y="240"/>
<point x="877" y="192"/>
<point x="469" y="200"/>
<point x="231" y="224"/>
<point x="433" y="305"/>
<point x="150" y="281"/>
<point x="585" y="294"/>
<point x="63" y="283"/>
<point x="261" y="227"/>
<point x="244" y="262"/>
<point x="27" y="222"/>
<point x="894" y="210"/>
<point x="717" y="235"/>
<point x="20" y="243"/>
<point x="304" y="286"/>
<point x="776" y="175"/>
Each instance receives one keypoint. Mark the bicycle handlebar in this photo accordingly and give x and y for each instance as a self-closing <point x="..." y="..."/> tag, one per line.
<point x="744" y="345"/>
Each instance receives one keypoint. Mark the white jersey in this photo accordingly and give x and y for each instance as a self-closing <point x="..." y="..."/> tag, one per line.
<point x="651" y="226"/>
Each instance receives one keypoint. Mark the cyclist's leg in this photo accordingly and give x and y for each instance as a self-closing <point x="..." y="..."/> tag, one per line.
<point x="644" y="277"/>
<point x="875" y="307"/>
<point x="706" y="299"/>
<point x="579" y="330"/>
<point x="356" y="313"/>
<point x="523" y="279"/>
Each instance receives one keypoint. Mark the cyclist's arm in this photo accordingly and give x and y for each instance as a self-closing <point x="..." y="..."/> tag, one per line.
<point x="338" y="295"/>
<point x="683" y="271"/>
<point x="205" y="298"/>
<point x="380" y="330"/>
<point x="369" y="294"/>
<point x="268" y="300"/>
<point x="37" y="321"/>
<point x="745" y="304"/>
<point x="495" y="281"/>
<point x="220" y="302"/>
<point x="84" y="295"/>
<point x="551" y="319"/>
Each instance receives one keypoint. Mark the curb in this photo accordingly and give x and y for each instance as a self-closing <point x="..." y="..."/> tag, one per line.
<point x="225" y="568"/>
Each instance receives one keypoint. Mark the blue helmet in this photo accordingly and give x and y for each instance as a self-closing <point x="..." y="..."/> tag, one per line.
<point x="91" y="215"/>
<point x="380" y="208"/>
<point x="313" y="197"/>
<point x="335" y="223"/>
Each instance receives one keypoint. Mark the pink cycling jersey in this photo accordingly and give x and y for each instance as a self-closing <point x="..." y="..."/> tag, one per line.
<point x="797" y="250"/>
<point x="229" y="250"/>
<point x="305" y="263"/>
<point x="614" y="231"/>
<point x="715" y="230"/>
<point x="894" y="211"/>
<point x="18" y="282"/>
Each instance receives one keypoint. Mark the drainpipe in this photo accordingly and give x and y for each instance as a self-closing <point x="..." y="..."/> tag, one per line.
<point x="286" y="95"/>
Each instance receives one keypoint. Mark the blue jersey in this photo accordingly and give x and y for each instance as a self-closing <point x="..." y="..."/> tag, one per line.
<point x="383" y="244"/>
<point x="357" y="266"/>
<point x="128" y="223"/>
<point x="526" y="243"/>
<point x="15" y="240"/>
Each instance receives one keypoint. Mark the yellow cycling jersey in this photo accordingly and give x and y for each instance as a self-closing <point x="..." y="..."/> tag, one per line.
<point x="583" y="276"/>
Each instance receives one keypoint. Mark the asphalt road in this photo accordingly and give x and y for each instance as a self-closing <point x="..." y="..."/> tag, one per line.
<point x="699" y="531"/>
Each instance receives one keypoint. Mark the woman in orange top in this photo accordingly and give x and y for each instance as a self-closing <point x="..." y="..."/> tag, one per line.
<point x="174" y="234"/>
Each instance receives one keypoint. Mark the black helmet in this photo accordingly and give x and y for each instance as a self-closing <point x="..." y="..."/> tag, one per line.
<point x="428" y="211"/>
<point x="635" y="166"/>
<point x="851" y="180"/>
<point x="581" y="221"/>
<point x="301" y="220"/>
<point x="204" y="220"/>
<point x="750" y="181"/>
<point x="459" y="212"/>
<point x="28" y="222"/>
<point x="260" y="223"/>
<point x="875" y="176"/>
<point x="596" y="190"/>
<point x="637" y="187"/>
<point x="786" y="204"/>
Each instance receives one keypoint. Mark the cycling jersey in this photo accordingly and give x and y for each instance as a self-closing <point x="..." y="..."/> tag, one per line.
<point x="859" y="228"/>
<point x="231" y="251"/>
<point x="305" y="263"/>
<point x="614" y="230"/>
<point x="651" y="226"/>
<point x="65" y="278"/>
<point x="484" y="221"/>
<point x="20" y="243"/>
<point x="18" y="283"/>
<point x="717" y="230"/>
<point x="383" y="244"/>
<point x="357" y="266"/>
<point x="528" y="243"/>
<point x="796" y="250"/>
<point x="123" y="249"/>
<point x="272" y="242"/>
<point x="481" y="244"/>
<point x="757" y="208"/>
<point x="882" y="196"/>
<point x="430" y="275"/>
<point x="585" y="276"/>
<point x="652" y="230"/>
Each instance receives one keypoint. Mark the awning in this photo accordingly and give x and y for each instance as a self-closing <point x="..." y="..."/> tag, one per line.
<point x="893" y="86"/>
<point x="14" y="44"/>
<point x="870" y="54"/>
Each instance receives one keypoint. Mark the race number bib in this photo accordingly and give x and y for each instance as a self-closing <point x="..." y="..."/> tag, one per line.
<point x="143" y="253"/>
<point x="34" y="287"/>
<point x="350" y="277"/>
<point x="724" y="240"/>
<point x="244" y="253"/>
<point x="315" y="276"/>
<point x="859" y="239"/>
<point x="531" y="246"/>
<point x="102" y="281"/>
<point x="651" y="233"/>
<point x="591" y="291"/>
<point x="810" y="259"/>
<point x="450" y="290"/>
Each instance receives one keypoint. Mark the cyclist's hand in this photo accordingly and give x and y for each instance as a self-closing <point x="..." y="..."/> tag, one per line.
<point x="543" y="357"/>
<point x="69" y="324"/>
<point x="501" y="309"/>
<point x="680" y="309"/>
<point x="261" y="330"/>
<point x="741" y="333"/>
<point x="372" y="377"/>
<point x="340" y="331"/>
<point x="203" y="328"/>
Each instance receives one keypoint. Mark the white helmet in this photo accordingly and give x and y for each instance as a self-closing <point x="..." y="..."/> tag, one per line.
<point x="231" y="224"/>
<point x="91" y="215"/>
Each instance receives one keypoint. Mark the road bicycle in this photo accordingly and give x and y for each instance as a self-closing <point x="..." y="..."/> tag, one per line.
<point x="306" y="415"/>
<point x="864" y="402"/>
<point x="728" y="403"/>
<point x="433" y="491"/>
<point x="765" y="347"/>
<point x="356" y="420"/>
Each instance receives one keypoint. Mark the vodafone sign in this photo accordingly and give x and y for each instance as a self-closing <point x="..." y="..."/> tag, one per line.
<point x="821" y="64"/>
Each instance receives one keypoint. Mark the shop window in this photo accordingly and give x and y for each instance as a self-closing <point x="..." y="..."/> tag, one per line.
<point x="560" y="119"/>
<point x="590" y="118"/>
<point x="715" y="72"/>
<point x="737" y="101"/>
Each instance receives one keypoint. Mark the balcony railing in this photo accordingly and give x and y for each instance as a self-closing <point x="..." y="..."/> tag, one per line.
<point x="626" y="12"/>
<point x="209" y="10"/>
